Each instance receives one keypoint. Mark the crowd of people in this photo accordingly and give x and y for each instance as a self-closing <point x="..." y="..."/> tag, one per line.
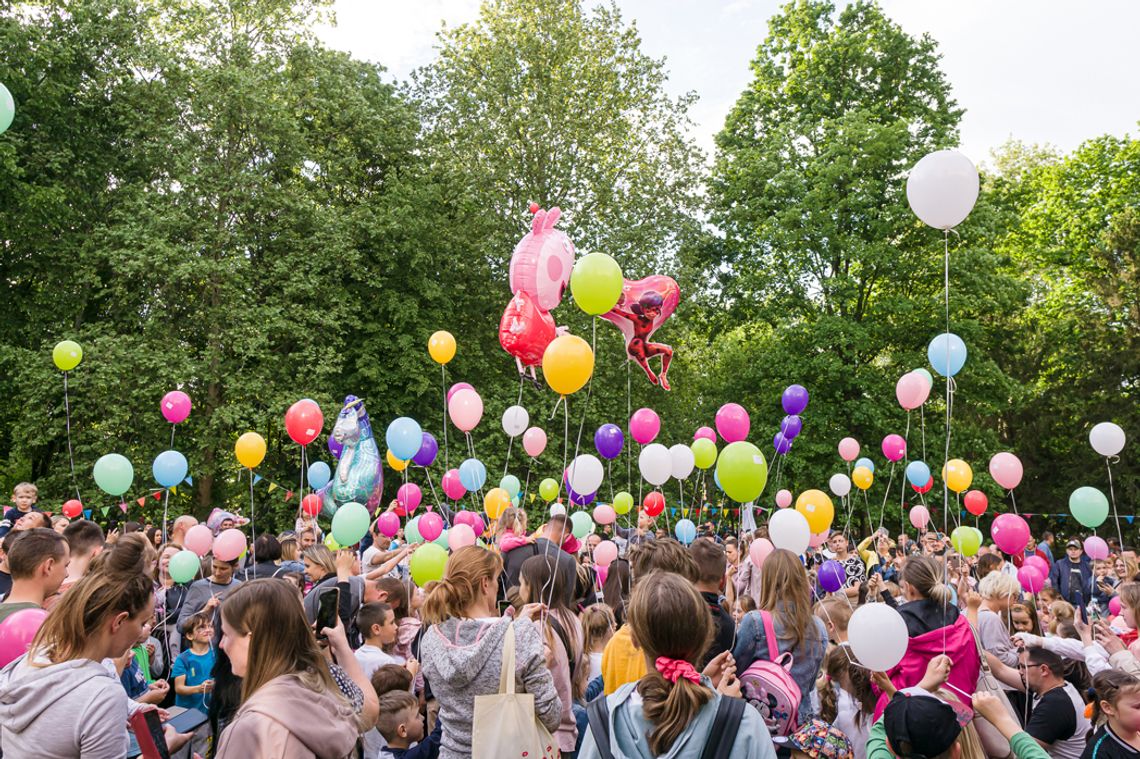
<point x="667" y="650"/>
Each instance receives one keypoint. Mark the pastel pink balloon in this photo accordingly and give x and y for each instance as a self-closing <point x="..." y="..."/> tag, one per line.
<point x="1114" y="606"/>
<point x="430" y="526"/>
<point x="456" y="388"/>
<point x="732" y="422"/>
<point x="465" y="409"/>
<point x="848" y="449"/>
<point x="705" y="432"/>
<point x="534" y="441"/>
<point x="784" y="498"/>
<point x="919" y="517"/>
<point x="818" y="539"/>
<point x="175" y="406"/>
<point x="605" y="553"/>
<point x="17" y="633"/>
<point x="1031" y="579"/>
<point x="911" y="390"/>
<point x="604" y="514"/>
<point x="410" y="496"/>
<point x="388" y="524"/>
<point x="1095" y="547"/>
<point x="894" y="447"/>
<point x="760" y="549"/>
<point x="199" y="539"/>
<point x="1006" y="470"/>
<point x="644" y="425"/>
<point x="1043" y="566"/>
<point x="459" y="536"/>
<point x="1010" y="532"/>
<point x="229" y="545"/>
<point x="452" y="485"/>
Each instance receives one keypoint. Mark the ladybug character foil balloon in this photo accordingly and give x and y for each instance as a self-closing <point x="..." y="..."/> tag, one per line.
<point x="644" y="306"/>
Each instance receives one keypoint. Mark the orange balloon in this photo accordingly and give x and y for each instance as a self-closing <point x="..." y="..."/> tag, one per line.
<point x="568" y="364"/>
<point x="397" y="464"/>
<point x="496" y="501"/>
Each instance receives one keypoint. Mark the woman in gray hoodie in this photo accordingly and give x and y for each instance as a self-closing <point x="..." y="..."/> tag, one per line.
<point x="462" y="650"/>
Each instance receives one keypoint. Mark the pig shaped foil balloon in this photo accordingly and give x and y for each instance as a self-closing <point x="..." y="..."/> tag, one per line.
<point x="644" y="306"/>
<point x="359" y="474"/>
<point x="525" y="330"/>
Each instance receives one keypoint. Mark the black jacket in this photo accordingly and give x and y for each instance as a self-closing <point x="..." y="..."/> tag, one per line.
<point x="724" y="629"/>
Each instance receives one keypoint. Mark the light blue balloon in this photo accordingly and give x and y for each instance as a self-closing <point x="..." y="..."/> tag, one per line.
<point x="869" y="464"/>
<point x="947" y="354"/>
<point x="170" y="468"/>
<point x="716" y="479"/>
<point x="404" y="438"/>
<point x="319" y="475"/>
<point x="918" y="473"/>
<point x="685" y="531"/>
<point x="511" y="484"/>
<point x="472" y="474"/>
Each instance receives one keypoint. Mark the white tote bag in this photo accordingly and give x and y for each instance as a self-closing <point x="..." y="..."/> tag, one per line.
<point x="505" y="723"/>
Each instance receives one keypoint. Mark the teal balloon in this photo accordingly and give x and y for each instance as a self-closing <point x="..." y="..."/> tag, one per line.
<point x="926" y="373"/>
<point x="581" y="524"/>
<point x="412" y="531"/>
<point x="350" y="524"/>
<point x="7" y="109"/>
<point x="1089" y="506"/>
<point x="114" y="474"/>
<point x="511" y="484"/>
<point x="169" y="468"/>
<point x="441" y="541"/>
<point x="947" y="354"/>
<point x="427" y="564"/>
<point x="685" y="531"/>
<point x="184" y="566"/>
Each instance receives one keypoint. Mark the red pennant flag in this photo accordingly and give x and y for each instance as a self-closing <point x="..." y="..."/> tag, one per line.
<point x="288" y="494"/>
<point x="140" y="502"/>
<point x="157" y="496"/>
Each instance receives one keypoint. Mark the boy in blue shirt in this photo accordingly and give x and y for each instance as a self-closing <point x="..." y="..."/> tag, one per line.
<point x="192" y="668"/>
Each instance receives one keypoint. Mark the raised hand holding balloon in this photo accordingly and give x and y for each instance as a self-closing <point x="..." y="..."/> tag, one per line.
<point x="645" y="305"/>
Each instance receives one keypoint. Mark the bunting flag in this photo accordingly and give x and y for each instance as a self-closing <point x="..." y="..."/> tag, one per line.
<point x="87" y="513"/>
<point x="288" y="495"/>
<point x="157" y="496"/>
<point x="189" y="480"/>
<point x="257" y="479"/>
<point x="123" y="506"/>
<point x="105" y="510"/>
<point x="141" y="501"/>
<point x="1129" y="518"/>
<point x="272" y="486"/>
<point x="174" y="490"/>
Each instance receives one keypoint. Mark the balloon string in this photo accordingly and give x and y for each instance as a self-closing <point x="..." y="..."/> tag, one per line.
<point x="886" y="495"/>
<point x="946" y="290"/>
<point x="1112" y="496"/>
<point x="1013" y="500"/>
<point x="443" y="389"/>
<point x="629" y="415"/>
<point x="70" y="453"/>
<point x="252" y="524"/>
<point x="511" y="438"/>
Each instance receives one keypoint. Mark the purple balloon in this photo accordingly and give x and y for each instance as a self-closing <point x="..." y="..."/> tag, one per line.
<point x="832" y="576"/>
<point x="335" y="448"/>
<point x="609" y="440"/>
<point x="791" y="426"/>
<point x="579" y="499"/>
<point x="781" y="443"/>
<point x="428" y="450"/>
<point x="795" y="399"/>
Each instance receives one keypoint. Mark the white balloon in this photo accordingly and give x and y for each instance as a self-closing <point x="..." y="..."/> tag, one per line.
<point x="942" y="188"/>
<point x="515" y="421"/>
<point x="682" y="461"/>
<point x="1107" y="439"/>
<point x="788" y="529"/>
<point x="878" y="636"/>
<point x="585" y="474"/>
<point x="840" y="484"/>
<point x="655" y="464"/>
<point x="557" y="509"/>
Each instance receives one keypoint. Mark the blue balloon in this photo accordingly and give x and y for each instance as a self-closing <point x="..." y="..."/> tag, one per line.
<point x="404" y="438"/>
<point x="947" y="354"/>
<point x="170" y="468"/>
<point x="716" y="479"/>
<point x="685" y="531"/>
<point x="865" y="462"/>
<point x="472" y="474"/>
<point x="918" y="473"/>
<point x="319" y="475"/>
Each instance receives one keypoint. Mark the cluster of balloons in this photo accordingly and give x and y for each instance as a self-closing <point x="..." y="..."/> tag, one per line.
<point x="794" y="401"/>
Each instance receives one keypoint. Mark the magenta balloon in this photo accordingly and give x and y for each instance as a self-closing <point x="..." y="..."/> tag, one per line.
<point x="644" y="425"/>
<point x="534" y="441"/>
<point x="409" y="496"/>
<point x="1006" y="470"/>
<point x="460" y="536"/>
<point x="605" y="553"/>
<point x="1010" y="532"/>
<point x="1031" y="579"/>
<point x="452" y="486"/>
<point x="175" y="406"/>
<point x="911" y="390"/>
<point x="229" y="544"/>
<point x="464" y="517"/>
<point x="456" y="388"/>
<point x="1041" y="564"/>
<point x="705" y="432"/>
<point x="732" y="422"/>
<point x="430" y="526"/>
<point x="783" y="498"/>
<point x="894" y="447"/>
<point x="17" y="633"/>
<point x="1095" y="547"/>
<point x="848" y="449"/>
<point x="388" y="524"/>
<point x="1114" y="605"/>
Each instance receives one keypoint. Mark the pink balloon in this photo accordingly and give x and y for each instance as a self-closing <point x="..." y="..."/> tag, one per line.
<point x="644" y="425"/>
<point x="456" y="388"/>
<point x="732" y="422"/>
<point x="604" y="514"/>
<point x="410" y="496"/>
<point x="1095" y="547"/>
<point x="465" y="409"/>
<point x="452" y="486"/>
<point x="602" y="573"/>
<point x="784" y="498"/>
<point x="894" y="447"/>
<point x="175" y="406"/>
<point x="1010" y="532"/>
<point x="17" y="633"/>
<point x="605" y="553"/>
<point x="388" y="524"/>
<point x="760" y="549"/>
<point x="911" y="390"/>
<point x="534" y="441"/>
<point x="705" y="432"/>
<point x="1031" y="579"/>
<point x="1006" y="470"/>
<point x="919" y="517"/>
<point x="460" y="536"/>
<point x="199" y="539"/>
<point x="1114" y="606"/>
<point x="229" y="545"/>
<point x="818" y="539"/>
<point x="430" y="526"/>
<point x="1041" y="564"/>
<point x="848" y="449"/>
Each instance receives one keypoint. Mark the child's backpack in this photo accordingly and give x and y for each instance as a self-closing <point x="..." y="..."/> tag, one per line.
<point x="768" y="686"/>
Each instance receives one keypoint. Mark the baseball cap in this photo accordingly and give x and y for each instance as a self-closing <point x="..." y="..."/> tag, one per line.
<point x="920" y="726"/>
<point x="1074" y="543"/>
<point x="820" y="740"/>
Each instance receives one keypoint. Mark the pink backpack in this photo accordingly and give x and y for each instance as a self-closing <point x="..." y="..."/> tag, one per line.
<point x="768" y="685"/>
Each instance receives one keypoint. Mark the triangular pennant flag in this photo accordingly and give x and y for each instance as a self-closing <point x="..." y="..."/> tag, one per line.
<point x="87" y="513"/>
<point x="139" y="501"/>
<point x="156" y="496"/>
<point x="189" y="480"/>
<point x="1129" y="518"/>
<point x="272" y="486"/>
<point x="105" y="509"/>
<point x="174" y="490"/>
<point x="256" y="479"/>
<point x="123" y="506"/>
<point x="288" y="494"/>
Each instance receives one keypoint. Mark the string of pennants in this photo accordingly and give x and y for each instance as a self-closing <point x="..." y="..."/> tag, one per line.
<point x="1130" y="518"/>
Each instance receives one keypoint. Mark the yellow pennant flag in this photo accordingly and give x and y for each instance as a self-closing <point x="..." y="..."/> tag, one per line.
<point x="272" y="486"/>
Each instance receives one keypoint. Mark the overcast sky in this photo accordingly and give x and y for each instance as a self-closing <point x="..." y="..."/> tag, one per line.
<point x="1044" y="71"/>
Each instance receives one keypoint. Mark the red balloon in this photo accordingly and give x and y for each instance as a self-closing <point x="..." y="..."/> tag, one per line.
<point x="925" y="488"/>
<point x="311" y="505"/>
<point x="72" y="509"/>
<point x="654" y="503"/>
<point x="525" y="329"/>
<point x="976" y="502"/>
<point x="303" y="421"/>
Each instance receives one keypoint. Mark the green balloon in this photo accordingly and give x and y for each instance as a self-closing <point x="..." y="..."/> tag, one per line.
<point x="582" y="524"/>
<point x="114" y="474"/>
<point x="966" y="540"/>
<point x="350" y="524"/>
<point x="926" y="373"/>
<point x="427" y="564"/>
<point x="511" y="484"/>
<point x="184" y="566"/>
<point x="742" y="471"/>
<point x="548" y="489"/>
<point x="1089" y="506"/>
<point x="704" y="452"/>
<point x="412" y="531"/>
<point x="623" y="502"/>
<point x="441" y="541"/>
<point x="596" y="283"/>
<point x="67" y="355"/>
<point x="7" y="109"/>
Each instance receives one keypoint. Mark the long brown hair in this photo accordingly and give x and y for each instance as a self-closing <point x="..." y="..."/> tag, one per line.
<point x="784" y="591"/>
<point x="668" y="618"/>
<point x="544" y="578"/>
<point x="466" y="569"/>
<point x="856" y="680"/>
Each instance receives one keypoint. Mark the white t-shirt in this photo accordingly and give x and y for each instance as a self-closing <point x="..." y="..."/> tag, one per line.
<point x="595" y="665"/>
<point x="371" y="659"/>
<point x="847" y="720"/>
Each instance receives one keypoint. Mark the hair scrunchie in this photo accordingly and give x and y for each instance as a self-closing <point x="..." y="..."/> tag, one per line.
<point x="675" y="669"/>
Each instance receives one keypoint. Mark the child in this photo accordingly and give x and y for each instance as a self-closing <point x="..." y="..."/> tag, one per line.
<point x="377" y="625"/>
<point x="510" y="532"/>
<point x="846" y="698"/>
<point x="1059" y="612"/>
<point x="192" y="668"/>
<point x="597" y="629"/>
<point x="1117" y="702"/>
<point x="742" y="606"/>
<point x="1023" y="618"/>
<point x="402" y="727"/>
<point x="835" y="613"/>
<point x="24" y="497"/>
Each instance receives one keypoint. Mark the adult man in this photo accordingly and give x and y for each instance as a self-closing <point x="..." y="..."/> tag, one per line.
<point x="711" y="564"/>
<point x="1058" y="721"/>
<point x="208" y="592"/>
<point x="38" y="563"/>
<point x="179" y="528"/>
<point x="1072" y="575"/>
<point x="854" y="570"/>
<point x="1046" y="546"/>
<point x="905" y="545"/>
<point x="85" y="542"/>
<point x="933" y="545"/>
<point x="549" y="544"/>
<point x="1030" y="550"/>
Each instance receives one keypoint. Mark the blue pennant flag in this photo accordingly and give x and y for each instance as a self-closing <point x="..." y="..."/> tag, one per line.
<point x="189" y="480"/>
<point x="256" y="478"/>
<point x="1130" y="518"/>
<point x="87" y="513"/>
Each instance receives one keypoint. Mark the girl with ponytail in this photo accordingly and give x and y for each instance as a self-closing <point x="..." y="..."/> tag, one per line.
<point x="673" y="705"/>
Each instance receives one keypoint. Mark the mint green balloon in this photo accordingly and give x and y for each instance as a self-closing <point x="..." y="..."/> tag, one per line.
<point x="596" y="283"/>
<point x="581" y="524"/>
<point x="184" y="566"/>
<point x="427" y="564"/>
<point x="1089" y="506"/>
<point x="742" y="471"/>
<point x="511" y="484"/>
<point x="926" y="373"/>
<point x="350" y="524"/>
<point x="114" y="474"/>
<point x="7" y="109"/>
<point x="412" y="531"/>
<point x="441" y="541"/>
<point x="966" y="540"/>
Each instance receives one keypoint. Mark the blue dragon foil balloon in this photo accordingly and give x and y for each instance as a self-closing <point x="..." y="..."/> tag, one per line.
<point x="359" y="475"/>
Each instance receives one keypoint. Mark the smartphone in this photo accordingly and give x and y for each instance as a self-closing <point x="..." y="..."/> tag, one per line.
<point x="188" y="721"/>
<point x="327" y="606"/>
<point x="503" y="606"/>
<point x="147" y="727"/>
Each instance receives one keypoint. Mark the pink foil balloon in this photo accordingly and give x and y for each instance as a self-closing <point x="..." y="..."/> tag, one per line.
<point x="894" y="447"/>
<point x="452" y="485"/>
<point x="644" y="425"/>
<point x="175" y="406"/>
<point x="783" y="498"/>
<point x="1006" y="470"/>
<point x="705" y="432"/>
<point x="848" y="449"/>
<point x="605" y="553"/>
<point x="534" y="441"/>
<point x="732" y="422"/>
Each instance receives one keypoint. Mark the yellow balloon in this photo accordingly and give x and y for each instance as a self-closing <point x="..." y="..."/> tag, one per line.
<point x="862" y="477"/>
<point x="567" y="364"/>
<point x="817" y="509"/>
<point x="441" y="347"/>
<point x="250" y="449"/>
<point x="957" y="474"/>
<point x="397" y="464"/>
<point x="496" y="501"/>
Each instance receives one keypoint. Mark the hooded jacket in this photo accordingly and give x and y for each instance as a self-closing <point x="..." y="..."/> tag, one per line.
<point x="62" y="711"/>
<point x="326" y="726"/>
<point x="956" y="641"/>
<point x="461" y="660"/>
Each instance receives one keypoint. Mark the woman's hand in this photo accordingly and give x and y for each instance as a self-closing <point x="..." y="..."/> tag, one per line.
<point x="1107" y="638"/>
<point x="721" y="666"/>
<point x="533" y="612"/>
<point x="337" y="640"/>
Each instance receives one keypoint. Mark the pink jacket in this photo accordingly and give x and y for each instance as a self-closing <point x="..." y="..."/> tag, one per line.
<point x="509" y="541"/>
<point x="957" y="642"/>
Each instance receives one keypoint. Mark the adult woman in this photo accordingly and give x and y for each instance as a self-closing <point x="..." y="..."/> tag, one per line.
<point x="1125" y="569"/>
<point x="290" y="553"/>
<point x="880" y="557"/>
<point x="168" y="599"/>
<point x="326" y="572"/>
<point x="291" y="707"/>
<point x="786" y="596"/>
<point x="462" y="649"/>
<point x="615" y="590"/>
